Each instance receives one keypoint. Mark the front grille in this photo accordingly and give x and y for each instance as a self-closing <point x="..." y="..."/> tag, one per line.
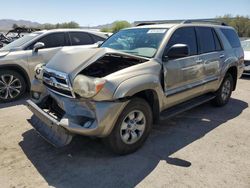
<point x="57" y="82"/>
<point x="59" y="91"/>
<point x="61" y="80"/>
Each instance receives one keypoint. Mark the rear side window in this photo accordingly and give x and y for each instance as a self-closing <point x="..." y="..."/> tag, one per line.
<point x="206" y="39"/>
<point x="232" y="37"/>
<point x="97" y="38"/>
<point x="185" y="35"/>
<point x="218" y="46"/>
<point x="80" y="38"/>
<point x="53" y="40"/>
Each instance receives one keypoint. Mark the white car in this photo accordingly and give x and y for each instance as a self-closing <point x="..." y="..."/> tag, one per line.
<point x="246" y="47"/>
<point x="19" y="58"/>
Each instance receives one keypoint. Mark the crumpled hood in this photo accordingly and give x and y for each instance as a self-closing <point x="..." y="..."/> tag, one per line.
<point x="68" y="59"/>
<point x="73" y="60"/>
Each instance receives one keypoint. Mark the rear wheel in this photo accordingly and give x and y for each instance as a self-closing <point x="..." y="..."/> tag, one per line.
<point x="12" y="85"/>
<point x="132" y="127"/>
<point x="224" y="93"/>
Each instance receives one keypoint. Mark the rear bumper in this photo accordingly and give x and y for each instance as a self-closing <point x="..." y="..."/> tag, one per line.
<point x="84" y="118"/>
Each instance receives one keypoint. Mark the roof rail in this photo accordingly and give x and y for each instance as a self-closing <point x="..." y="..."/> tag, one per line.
<point x="211" y="20"/>
<point x="153" y="22"/>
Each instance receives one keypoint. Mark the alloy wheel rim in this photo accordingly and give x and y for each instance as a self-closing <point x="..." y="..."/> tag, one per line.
<point x="133" y="127"/>
<point x="226" y="89"/>
<point x="10" y="86"/>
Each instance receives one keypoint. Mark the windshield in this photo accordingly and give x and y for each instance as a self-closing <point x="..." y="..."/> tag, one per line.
<point x="141" y="41"/>
<point x="246" y="45"/>
<point x="19" y="42"/>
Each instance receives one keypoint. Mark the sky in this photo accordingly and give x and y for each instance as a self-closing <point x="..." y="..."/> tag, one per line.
<point x="94" y="12"/>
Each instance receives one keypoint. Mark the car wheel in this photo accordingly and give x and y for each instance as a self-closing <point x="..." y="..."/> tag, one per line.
<point x="132" y="127"/>
<point x="12" y="85"/>
<point x="224" y="93"/>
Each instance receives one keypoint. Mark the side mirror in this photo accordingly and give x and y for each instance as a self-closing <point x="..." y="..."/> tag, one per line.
<point x="37" y="46"/>
<point x="99" y="43"/>
<point x="177" y="51"/>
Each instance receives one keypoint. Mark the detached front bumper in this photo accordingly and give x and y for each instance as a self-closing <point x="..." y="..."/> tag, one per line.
<point x="88" y="118"/>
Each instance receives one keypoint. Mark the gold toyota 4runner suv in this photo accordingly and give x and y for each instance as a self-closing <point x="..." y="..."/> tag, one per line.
<point x="136" y="77"/>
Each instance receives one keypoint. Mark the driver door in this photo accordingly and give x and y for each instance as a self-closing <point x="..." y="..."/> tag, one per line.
<point x="183" y="77"/>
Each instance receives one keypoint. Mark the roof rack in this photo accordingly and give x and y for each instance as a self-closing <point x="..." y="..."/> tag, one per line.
<point x="153" y="22"/>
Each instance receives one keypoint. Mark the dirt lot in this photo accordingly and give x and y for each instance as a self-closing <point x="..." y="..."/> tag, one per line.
<point x="205" y="147"/>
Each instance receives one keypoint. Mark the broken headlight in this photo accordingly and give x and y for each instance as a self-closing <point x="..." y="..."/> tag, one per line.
<point x="39" y="71"/>
<point x="87" y="86"/>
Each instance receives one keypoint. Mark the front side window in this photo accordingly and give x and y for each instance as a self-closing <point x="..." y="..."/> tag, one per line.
<point x="53" y="40"/>
<point x="185" y="35"/>
<point x="140" y="41"/>
<point x="80" y="38"/>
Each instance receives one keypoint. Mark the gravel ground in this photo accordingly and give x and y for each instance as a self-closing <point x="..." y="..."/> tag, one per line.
<point x="204" y="147"/>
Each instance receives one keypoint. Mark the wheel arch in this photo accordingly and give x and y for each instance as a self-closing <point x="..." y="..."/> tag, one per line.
<point x="148" y="87"/>
<point x="234" y="73"/>
<point x="152" y="99"/>
<point x="19" y="70"/>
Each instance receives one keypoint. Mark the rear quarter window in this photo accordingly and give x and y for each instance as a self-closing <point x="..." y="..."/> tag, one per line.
<point x="232" y="37"/>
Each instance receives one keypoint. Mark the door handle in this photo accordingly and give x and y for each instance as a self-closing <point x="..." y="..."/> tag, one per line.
<point x="199" y="61"/>
<point x="222" y="56"/>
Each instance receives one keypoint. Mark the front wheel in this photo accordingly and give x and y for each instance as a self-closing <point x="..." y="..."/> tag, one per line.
<point x="12" y="85"/>
<point x="132" y="127"/>
<point x="224" y="93"/>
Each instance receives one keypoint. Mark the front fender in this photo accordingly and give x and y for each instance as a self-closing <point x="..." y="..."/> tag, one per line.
<point x="139" y="83"/>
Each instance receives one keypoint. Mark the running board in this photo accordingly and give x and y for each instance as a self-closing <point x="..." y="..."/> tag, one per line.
<point x="173" y="111"/>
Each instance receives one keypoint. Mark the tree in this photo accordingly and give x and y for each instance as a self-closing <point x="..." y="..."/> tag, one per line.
<point x="71" y="24"/>
<point x="48" y="26"/>
<point x="106" y="30"/>
<point x="14" y="26"/>
<point x="240" y="23"/>
<point x="118" y="25"/>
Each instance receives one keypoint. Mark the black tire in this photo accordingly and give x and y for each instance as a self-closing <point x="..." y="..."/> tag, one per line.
<point x="219" y="100"/>
<point x="19" y="85"/>
<point x="114" y="140"/>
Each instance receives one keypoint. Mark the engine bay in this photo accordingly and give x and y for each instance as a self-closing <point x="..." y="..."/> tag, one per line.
<point x="109" y="64"/>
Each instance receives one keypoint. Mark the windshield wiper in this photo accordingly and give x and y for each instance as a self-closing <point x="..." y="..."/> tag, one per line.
<point x="130" y="52"/>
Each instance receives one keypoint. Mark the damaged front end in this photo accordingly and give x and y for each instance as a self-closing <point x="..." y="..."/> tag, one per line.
<point x="79" y="101"/>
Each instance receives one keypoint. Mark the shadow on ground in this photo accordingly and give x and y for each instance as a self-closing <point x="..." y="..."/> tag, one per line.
<point x="87" y="163"/>
<point x="245" y="77"/>
<point x="21" y="101"/>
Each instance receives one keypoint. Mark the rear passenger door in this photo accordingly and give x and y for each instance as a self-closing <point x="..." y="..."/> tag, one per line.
<point x="211" y="53"/>
<point x="80" y="38"/>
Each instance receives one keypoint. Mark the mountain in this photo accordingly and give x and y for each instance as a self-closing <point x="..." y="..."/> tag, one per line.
<point x="6" y="24"/>
<point x="104" y="26"/>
